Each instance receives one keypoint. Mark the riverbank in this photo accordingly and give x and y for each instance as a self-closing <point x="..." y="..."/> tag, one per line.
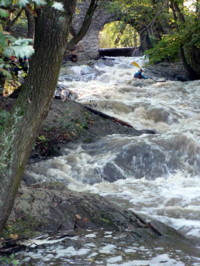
<point x="170" y="71"/>
<point x="51" y="207"/>
<point x="69" y="121"/>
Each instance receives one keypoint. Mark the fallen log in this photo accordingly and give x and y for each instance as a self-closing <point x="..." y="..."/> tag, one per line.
<point x="116" y="120"/>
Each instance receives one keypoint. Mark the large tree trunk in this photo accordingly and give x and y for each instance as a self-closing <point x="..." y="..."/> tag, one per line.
<point x="190" y="54"/>
<point x="190" y="57"/>
<point x="33" y="103"/>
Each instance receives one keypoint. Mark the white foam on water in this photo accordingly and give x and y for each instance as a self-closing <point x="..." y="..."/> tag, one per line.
<point x="90" y="235"/>
<point x="172" y="109"/>
<point x="108" y="249"/>
<point x="174" y="201"/>
<point x="114" y="259"/>
<point x="161" y="260"/>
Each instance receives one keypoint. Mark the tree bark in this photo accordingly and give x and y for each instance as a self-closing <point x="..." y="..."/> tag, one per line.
<point x="191" y="61"/>
<point x="34" y="101"/>
<point x="189" y="54"/>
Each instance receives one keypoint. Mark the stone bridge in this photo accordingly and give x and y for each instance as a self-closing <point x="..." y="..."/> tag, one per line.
<point x="88" y="47"/>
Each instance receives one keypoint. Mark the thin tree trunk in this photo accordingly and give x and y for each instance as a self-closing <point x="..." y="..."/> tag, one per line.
<point x="31" y="24"/>
<point x="198" y="9"/>
<point x="135" y="39"/>
<point x="33" y="103"/>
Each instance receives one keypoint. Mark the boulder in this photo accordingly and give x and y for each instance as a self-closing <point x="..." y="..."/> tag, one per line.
<point x="51" y="208"/>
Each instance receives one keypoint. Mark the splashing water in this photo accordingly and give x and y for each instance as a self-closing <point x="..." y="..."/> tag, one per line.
<point x="156" y="175"/>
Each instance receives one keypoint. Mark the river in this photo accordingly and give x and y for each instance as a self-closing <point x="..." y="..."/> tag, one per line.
<point x="156" y="175"/>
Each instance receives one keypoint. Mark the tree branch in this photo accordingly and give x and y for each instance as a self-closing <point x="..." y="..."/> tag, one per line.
<point x="85" y="25"/>
<point x="16" y="18"/>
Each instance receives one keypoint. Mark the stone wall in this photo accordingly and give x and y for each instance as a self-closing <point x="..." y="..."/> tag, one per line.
<point x="88" y="47"/>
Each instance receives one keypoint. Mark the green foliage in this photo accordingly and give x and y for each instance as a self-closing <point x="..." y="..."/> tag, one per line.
<point x="149" y="18"/>
<point x="24" y="227"/>
<point x="43" y="139"/>
<point x="23" y="3"/>
<point x="168" y="48"/>
<point x="190" y="35"/>
<point x="9" y="260"/>
<point x="118" y="34"/>
<point x="3" y="13"/>
<point x="139" y="12"/>
<point x="42" y="144"/>
<point x="19" y="48"/>
<point x="4" y="42"/>
<point x="75" y="125"/>
<point x="5" y="39"/>
<point x="9" y="46"/>
<point x="6" y="3"/>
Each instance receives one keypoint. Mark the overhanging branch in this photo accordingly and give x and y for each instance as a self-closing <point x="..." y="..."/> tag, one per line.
<point x="85" y="25"/>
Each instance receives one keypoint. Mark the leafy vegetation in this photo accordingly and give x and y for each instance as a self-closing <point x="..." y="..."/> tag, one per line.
<point x="166" y="49"/>
<point x="168" y="30"/>
<point x="9" y="45"/>
<point x="184" y="44"/>
<point x="118" y="34"/>
<point x="144" y="16"/>
<point x="9" y="260"/>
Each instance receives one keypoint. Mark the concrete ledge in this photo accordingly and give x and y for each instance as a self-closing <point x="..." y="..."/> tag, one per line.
<point x="125" y="51"/>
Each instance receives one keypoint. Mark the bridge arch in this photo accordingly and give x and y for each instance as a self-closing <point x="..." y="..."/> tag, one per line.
<point x="117" y="34"/>
<point x="88" y="47"/>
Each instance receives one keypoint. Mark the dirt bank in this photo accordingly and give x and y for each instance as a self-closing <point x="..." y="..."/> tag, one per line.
<point x="70" y="121"/>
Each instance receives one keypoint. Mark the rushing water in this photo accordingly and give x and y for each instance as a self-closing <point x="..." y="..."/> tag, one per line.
<point x="159" y="174"/>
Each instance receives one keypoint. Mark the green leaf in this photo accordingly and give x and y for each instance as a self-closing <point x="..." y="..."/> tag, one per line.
<point x="15" y="262"/>
<point x="12" y="256"/>
<point x="5" y="73"/>
<point x="6" y="2"/>
<point x="3" y="13"/>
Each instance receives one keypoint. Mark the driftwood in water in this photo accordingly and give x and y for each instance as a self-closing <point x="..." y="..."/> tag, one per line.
<point x="116" y="120"/>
